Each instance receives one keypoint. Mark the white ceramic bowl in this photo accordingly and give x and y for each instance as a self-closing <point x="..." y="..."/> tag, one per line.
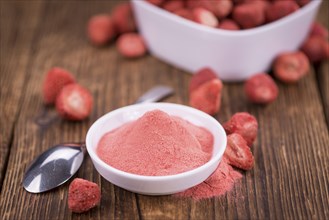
<point x="234" y="55"/>
<point x="155" y="185"/>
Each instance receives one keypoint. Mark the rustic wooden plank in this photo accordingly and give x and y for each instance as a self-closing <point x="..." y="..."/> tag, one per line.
<point x="323" y="68"/>
<point x="290" y="178"/>
<point x="16" y="35"/>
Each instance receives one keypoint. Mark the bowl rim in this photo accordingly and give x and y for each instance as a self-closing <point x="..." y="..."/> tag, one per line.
<point x="234" y="33"/>
<point x="214" y="159"/>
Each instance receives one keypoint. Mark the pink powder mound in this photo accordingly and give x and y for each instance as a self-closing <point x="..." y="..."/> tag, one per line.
<point x="156" y="144"/>
<point x="220" y="182"/>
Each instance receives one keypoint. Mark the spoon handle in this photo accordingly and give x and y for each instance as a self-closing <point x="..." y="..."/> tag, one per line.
<point x="155" y="94"/>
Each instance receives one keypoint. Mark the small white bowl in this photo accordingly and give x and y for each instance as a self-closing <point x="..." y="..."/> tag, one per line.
<point x="234" y="55"/>
<point x="155" y="185"/>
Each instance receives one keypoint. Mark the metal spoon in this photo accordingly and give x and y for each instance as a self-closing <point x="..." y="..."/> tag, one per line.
<point x="58" y="164"/>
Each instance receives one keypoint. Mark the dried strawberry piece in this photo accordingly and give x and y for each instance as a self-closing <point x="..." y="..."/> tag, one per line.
<point x="156" y="2"/>
<point x="123" y="18"/>
<point x="228" y="24"/>
<point x="131" y="45"/>
<point x="261" y="89"/>
<point x="185" y="13"/>
<point x="54" y="82"/>
<point x="238" y="153"/>
<point x="207" y="97"/>
<point x="173" y="5"/>
<point x="200" y="77"/>
<point x="291" y="67"/>
<point x="101" y="29"/>
<point x="205" y="17"/>
<point x="83" y="195"/>
<point x="244" y="124"/>
<point x="251" y="14"/>
<point x="74" y="102"/>
<point x="318" y="29"/>
<point x="316" y="48"/>
<point x="280" y="9"/>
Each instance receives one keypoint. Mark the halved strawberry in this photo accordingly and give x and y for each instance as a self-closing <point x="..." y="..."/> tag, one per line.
<point x="200" y="77"/>
<point x="205" y="17"/>
<point x="74" y="102"/>
<point x="131" y="45"/>
<point x="54" y="81"/>
<point x="238" y="153"/>
<point x="207" y="97"/>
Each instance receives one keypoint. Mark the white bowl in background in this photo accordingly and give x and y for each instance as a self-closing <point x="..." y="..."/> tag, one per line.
<point x="155" y="185"/>
<point x="234" y="55"/>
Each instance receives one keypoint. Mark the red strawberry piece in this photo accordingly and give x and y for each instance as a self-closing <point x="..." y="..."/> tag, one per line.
<point x="131" y="45"/>
<point x="316" y="48"/>
<point x="244" y="124"/>
<point x="318" y="29"/>
<point x="156" y="2"/>
<point x="261" y="89"/>
<point x="55" y="80"/>
<point x="123" y="18"/>
<point x="280" y="9"/>
<point x="74" y="102"/>
<point x="200" y="77"/>
<point x="83" y="195"/>
<point x="220" y="8"/>
<point x="228" y="24"/>
<point x="238" y="153"/>
<point x="101" y="29"/>
<point x="173" y="5"/>
<point x="205" y="17"/>
<point x="185" y="13"/>
<point x="207" y="97"/>
<point x="251" y="14"/>
<point x="291" y="67"/>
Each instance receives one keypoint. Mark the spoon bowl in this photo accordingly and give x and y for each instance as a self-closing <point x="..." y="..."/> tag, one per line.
<point x="53" y="167"/>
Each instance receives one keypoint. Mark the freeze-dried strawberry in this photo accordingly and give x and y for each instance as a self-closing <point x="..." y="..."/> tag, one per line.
<point x="291" y="67"/>
<point x="244" y="124"/>
<point x="205" y="17"/>
<point x="207" y="97"/>
<point x="200" y="77"/>
<point x="220" y="8"/>
<point x="238" y="153"/>
<point x="280" y="9"/>
<point x="251" y="14"/>
<point x="316" y="48"/>
<point x="74" y="102"/>
<point x="123" y="18"/>
<point x="100" y="29"/>
<point x="228" y="24"/>
<point x="131" y="45"/>
<point x="318" y="29"/>
<point x="156" y="2"/>
<point x="173" y="5"/>
<point x="185" y="13"/>
<point x="261" y="89"/>
<point x="83" y="195"/>
<point x="55" y="80"/>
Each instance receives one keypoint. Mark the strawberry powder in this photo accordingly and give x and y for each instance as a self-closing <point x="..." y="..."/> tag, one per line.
<point x="158" y="144"/>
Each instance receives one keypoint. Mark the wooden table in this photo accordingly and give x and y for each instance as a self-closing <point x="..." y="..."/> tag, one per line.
<point x="290" y="177"/>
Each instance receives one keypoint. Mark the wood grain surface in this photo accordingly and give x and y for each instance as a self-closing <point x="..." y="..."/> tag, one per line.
<point x="290" y="177"/>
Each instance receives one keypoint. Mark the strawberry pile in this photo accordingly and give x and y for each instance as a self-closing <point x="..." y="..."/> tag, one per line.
<point x="72" y="101"/>
<point x="120" y="24"/>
